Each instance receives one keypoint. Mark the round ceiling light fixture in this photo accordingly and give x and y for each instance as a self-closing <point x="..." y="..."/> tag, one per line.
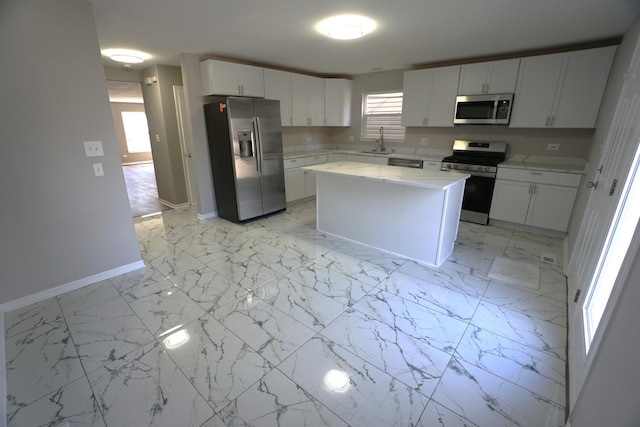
<point x="127" y="56"/>
<point x="346" y="27"/>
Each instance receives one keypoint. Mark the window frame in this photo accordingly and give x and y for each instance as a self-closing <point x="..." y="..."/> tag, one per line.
<point x="397" y="133"/>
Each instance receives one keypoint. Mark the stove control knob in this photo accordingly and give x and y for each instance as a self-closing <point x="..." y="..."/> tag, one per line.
<point x="455" y="166"/>
<point x="449" y="166"/>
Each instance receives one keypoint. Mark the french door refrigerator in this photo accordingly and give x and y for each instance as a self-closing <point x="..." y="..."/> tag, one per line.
<point x="245" y="146"/>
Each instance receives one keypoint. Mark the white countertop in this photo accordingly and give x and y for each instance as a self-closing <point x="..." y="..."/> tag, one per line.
<point x="406" y="176"/>
<point x="546" y="163"/>
<point x="434" y="157"/>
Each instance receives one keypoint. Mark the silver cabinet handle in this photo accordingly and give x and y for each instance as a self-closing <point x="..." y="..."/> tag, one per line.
<point x="592" y="184"/>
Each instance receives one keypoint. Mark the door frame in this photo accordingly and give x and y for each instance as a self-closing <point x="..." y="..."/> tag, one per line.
<point x="185" y="143"/>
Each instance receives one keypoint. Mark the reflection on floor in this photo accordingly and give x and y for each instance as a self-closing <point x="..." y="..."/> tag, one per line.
<point x="275" y="324"/>
<point x="142" y="189"/>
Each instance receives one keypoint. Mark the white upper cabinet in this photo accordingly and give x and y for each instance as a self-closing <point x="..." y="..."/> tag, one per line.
<point x="429" y="96"/>
<point x="277" y="85"/>
<point x="307" y="100"/>
<point x="337" y="102"/>
<point x="489" y="77"/>
<point x="561" y="90"/>
<point x="228" y="78"/>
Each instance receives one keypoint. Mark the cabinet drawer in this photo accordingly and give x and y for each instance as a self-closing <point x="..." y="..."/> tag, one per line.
<point x="293" y="163"/>
<point x="315" y="160"/>
<point x="540" y="177"/>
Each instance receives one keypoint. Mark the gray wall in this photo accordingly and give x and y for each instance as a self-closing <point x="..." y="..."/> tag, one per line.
<point x="59" y="223"/>
<point x="160" y="107"/>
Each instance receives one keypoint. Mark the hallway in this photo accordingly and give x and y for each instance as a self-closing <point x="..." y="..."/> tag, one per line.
<point x="142" y="189"/>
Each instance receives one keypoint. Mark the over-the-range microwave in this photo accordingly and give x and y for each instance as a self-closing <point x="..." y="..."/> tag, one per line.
<point x="483" y="109"/>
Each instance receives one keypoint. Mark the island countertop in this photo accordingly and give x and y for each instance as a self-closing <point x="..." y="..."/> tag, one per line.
<point x="439" y="180"/>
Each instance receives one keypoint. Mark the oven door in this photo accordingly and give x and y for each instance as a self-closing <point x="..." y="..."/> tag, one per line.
<point x="476" y="202"/>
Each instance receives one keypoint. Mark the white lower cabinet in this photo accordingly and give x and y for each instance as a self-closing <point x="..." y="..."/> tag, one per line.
<point x="300" y="183"/>
<point x="527" y="197"/>
<point x="294" y="184"/>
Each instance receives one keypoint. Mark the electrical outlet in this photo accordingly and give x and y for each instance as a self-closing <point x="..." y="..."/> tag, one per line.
<point x="424" y="141"/>
<point x="553" y="147"/>
<point x="97" y="169"/>
<point x="93" y="148"/>
<point x="308" y="139"/>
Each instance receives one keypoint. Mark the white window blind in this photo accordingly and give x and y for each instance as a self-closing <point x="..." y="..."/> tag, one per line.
<point x="382" y="110"/>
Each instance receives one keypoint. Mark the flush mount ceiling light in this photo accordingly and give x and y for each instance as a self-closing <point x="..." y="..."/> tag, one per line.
<point x="346" y="27"/>
<point x="127" y="56"/>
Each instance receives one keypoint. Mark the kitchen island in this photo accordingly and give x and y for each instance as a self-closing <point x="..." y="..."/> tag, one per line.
<point x="409" y="212"/>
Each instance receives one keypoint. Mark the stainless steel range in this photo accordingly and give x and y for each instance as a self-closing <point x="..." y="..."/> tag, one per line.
<point x="480" y="160"/>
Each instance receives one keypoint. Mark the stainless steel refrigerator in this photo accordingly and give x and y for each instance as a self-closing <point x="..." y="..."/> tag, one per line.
<point x="245" y="146"/>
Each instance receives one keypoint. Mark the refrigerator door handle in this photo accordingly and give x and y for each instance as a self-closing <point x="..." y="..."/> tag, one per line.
<point x="258" y="147"/>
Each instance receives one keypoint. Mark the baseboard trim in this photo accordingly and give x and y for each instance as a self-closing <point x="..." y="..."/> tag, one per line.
<point x="209" y="215"/>
<point x="76" y="284"/>
<point x="172" y="205"/>
<point x="3" y="376"/>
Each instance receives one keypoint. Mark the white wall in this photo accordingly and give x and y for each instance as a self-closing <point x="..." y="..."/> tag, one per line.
<point x="58" y="223"/>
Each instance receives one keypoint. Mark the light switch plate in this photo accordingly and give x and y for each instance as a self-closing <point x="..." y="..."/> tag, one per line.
<point x="97" y="169"/>
<point x="93" y="148"/>
<point x="553" y="147"/>
<point x="424" y="141"/>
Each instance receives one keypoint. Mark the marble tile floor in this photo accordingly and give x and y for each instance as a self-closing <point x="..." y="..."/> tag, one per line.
<point x="275" y="324"/>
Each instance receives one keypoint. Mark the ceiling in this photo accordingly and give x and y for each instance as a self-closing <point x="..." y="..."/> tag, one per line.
<point x="280" y="33"/>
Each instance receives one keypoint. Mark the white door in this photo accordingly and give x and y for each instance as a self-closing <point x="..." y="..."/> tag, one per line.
<point x="185" y="142"/>
<point x="618" y="154"/>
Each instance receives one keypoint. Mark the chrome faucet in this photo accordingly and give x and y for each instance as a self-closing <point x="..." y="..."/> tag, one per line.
<point x="381" y="146"/>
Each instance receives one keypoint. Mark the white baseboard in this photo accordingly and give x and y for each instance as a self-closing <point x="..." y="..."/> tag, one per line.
<point x="76" y="284"/>
<point x="172" y="205"/>
<point x="209" y="215"/>
<point x="3" y="376"/>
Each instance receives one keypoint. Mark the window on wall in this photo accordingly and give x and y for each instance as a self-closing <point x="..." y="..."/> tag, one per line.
<point x="382" y="109"/>
<point x="136" y="131"/>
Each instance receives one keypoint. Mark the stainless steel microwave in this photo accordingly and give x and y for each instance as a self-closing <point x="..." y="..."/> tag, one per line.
<point x="483" y="109"/>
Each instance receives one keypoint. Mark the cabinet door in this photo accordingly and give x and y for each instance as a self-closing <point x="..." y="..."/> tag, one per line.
<point x="310" y="183"/>
<point x="224" y="78"/>
<point x="337" y="102"/>
<point x="415" y="97"/>
<point x="473" y="78"/>
<point x="502" y="76"/>
<point x="307" y="100"/>
<point x="551" y="206"/>
<point x="337" y="157"/>
<point x="536" y="89"/>
<point x="219" y="78"/>
<point x="294" y="183"/>
<point x="315" y="101"/>
<point x="489" y="77"/>
<point x="582" y="88"/>
<point x="277" y="85"/>
<point x="510" y="201"/>
<point x="442" y="97"/>
<point x="251" y="80"/>
<point x="298" y="100"/>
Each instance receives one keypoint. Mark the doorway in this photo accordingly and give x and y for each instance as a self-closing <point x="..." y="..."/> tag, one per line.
<point x="132" y="132"/>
